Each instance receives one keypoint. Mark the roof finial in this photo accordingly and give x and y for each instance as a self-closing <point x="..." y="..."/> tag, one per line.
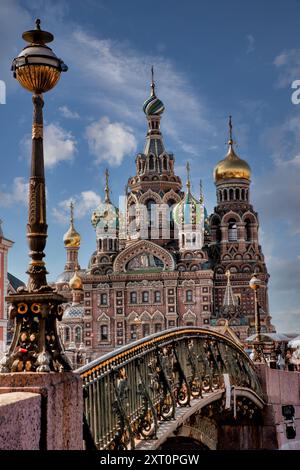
<point x="152" y="82"/>
<point x="228" y="275"/>
<point x="230" y="130"/>
<point x="107" y="190"/>
<point x="188" y="183"/>
<point x="201" y="199"/>
<point x="72" y="213"/>
<point x="38" y="24"/>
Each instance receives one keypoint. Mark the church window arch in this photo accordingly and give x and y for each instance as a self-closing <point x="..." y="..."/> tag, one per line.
<point x="243" y="194"/>
<point x="225" y="195"/>
<point x="237" y="194"/>
<point x="231" y="194"/>
<point x="232" y="231"/>
<point x="248" y="236"/>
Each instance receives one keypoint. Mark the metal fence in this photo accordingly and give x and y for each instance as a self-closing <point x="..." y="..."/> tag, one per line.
<point x="129" y="391"/>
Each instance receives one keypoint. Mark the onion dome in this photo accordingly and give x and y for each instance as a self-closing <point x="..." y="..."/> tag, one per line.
<point x="153" y="106"/>
<point x="75" y="282"/>
<point x="232" y="166"/>
<point x="189" y="210"/>
<point x="106" y="215"/>
<point x="71" y="237"/>
<point x="73" y="311"/>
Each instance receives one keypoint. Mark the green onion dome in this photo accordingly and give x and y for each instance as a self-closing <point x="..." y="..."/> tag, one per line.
<point x="188" y="211"/>
<point x="153" y="106"/>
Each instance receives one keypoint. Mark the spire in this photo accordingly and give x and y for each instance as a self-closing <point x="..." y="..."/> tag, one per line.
<point x="72" y="214"/>
<point x="229" y="299"/>
<point x="152" y="82"/>
<point x="107" y="190"/>
<point x="230" y="141"/>
<point x="71" y="237"/>
<point x="188" y="182"/>
<point x="201" y="198"/>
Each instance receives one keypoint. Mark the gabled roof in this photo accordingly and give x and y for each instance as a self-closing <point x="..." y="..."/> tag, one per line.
<point x="14" y="281"/>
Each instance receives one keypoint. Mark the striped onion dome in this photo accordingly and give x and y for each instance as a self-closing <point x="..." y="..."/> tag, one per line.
<point x="153" y="106"/>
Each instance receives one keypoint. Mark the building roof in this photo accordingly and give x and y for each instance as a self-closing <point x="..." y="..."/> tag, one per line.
<point x="14" y="281"/>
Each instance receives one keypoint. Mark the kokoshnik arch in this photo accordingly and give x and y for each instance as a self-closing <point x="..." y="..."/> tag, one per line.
<point x="161" y="261"/>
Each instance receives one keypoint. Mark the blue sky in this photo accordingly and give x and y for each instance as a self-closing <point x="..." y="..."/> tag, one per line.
<point x="211" y="59"/>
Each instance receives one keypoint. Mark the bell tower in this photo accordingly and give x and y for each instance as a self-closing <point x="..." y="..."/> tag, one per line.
<point x="234" y="240"/>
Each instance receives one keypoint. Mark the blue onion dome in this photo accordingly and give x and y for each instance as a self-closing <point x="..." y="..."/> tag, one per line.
<point x="106" y="216"/>
<point x="153" y="106"/>
<point x="188" y="211"/>
<point x="73" y="311"/>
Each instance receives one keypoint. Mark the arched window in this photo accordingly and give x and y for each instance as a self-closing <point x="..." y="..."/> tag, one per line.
<point x="243" y="194"/>
<point x="78" y="335"/>
<point x="145" y="297"/>
<point x="103" y="299"/>
<point x="151" y="211"/>
<point x="133" y="297"/>
<point x="232" y="231"/>
<point x="225" y="195"/>
<point x="237" y="194"/>
<point x="103" y="332"/>
<point x="171" y="204"/>
<point x="247" y="230"/>
<point x="189" y="295"/>
<point x="157" y="296"/>
<point x="67" y="334"/>
<point x="220" y="196"/>
<point x="230" y="194"/>
<point x="146" y="329"/>
<point x="157" y="327"/>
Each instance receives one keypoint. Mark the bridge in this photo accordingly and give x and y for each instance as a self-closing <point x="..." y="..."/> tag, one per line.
<point x="187" y="384"/>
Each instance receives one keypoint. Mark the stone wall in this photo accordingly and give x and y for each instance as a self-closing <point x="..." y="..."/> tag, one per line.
<point x="61" y="407"/>
<point x="20" y="421"/>
<point x="281" y="388"/>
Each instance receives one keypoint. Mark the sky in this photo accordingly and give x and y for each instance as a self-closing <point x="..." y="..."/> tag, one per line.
<point x="211" y="59"/>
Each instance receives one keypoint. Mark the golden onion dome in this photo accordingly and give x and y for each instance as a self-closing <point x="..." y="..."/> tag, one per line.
<point x="232" y="167"/>
<point x="75" y="282"/>
<point x="71" y="237"/>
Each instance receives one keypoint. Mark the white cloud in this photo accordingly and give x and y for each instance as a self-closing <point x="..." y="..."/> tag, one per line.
<point x="288" y="64"/>
<point x="110" y="141"/>
<point x="117" y="78"/>
<point x="250" y="43"/>
<point x="59" y="145"/>
<point x="67" y="113"/>
<point x="83" y="205"/>
<point x="18" y="193"/>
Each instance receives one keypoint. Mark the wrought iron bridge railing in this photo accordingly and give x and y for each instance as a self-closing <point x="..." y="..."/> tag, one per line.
<point x="131" y="390"/>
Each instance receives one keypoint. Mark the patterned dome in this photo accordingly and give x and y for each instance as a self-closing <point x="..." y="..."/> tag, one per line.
<point x="105" y="217"/>
<point x="188" y="211"/>
<point x="153" y="106"/>
<point x="73" y="311"/>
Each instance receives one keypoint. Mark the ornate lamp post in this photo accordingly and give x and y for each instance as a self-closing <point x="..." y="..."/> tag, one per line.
<point x="36" y="345"/>
<point x="255" y="284"/>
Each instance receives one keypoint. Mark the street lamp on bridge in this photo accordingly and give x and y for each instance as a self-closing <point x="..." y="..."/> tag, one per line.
<point x="255" y="284"/>
<point x="36" y="345"/>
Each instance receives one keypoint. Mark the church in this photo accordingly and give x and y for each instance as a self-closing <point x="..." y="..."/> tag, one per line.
<point x="160" y="260"/>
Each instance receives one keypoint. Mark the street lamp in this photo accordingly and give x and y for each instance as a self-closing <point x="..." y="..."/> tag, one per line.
<point x="255" y="284"/>
<point x="36" y="345"/>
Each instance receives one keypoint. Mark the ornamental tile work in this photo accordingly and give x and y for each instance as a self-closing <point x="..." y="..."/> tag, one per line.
<point x="161" y="261"/>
